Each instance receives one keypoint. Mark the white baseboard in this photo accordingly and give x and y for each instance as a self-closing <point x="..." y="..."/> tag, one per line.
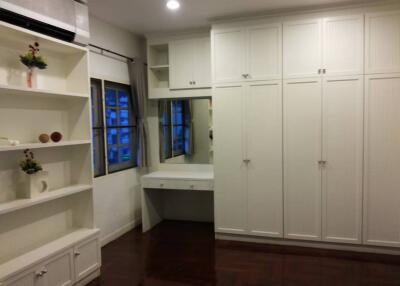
<point x="312" y="244"/>
<point x="120" y="231"/>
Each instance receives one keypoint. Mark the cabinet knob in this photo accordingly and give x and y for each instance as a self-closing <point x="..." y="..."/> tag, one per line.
<point x="322" y="163"/>
<point x="77" y="253"/>
<point x="324" y="71"/>
<point x="246" y="161"/>
<point x="161" y="185"/>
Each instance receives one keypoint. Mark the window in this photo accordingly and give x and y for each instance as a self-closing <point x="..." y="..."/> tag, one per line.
<point x="175" y="128"/>
<point x="119" y="128"/>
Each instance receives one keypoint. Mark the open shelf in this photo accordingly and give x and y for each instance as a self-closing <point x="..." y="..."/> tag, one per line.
<point x="25" y="91"/>
<point x="19" y="204"/>
<point x="7" y="148"/>
<point x="26" y="260"/>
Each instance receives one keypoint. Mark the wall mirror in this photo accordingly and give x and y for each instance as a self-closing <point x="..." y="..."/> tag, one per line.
<point x="185" y="131"/>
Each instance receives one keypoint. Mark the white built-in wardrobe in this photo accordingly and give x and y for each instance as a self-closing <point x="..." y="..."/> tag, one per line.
<point x="307" y="128"/>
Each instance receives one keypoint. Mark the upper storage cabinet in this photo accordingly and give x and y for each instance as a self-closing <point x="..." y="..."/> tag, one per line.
<point x="329" y="46"/>
<point x="343" y="45"/>
<point x="190" y="63"/>
<point x="66" y="62"/>
<point x="382" y="42"/>
<point x="248" y="53"/>
<point x="302" y="48"/>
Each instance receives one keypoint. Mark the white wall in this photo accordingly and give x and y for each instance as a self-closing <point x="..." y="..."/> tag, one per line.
<point x="116" y="196"/>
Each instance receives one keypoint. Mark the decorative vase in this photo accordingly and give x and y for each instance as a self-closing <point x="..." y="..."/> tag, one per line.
<point x="31" y="77"/>
<point x="33" y="185"/>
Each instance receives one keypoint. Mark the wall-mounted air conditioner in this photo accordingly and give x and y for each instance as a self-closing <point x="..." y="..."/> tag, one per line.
<point x="63" y="19"/>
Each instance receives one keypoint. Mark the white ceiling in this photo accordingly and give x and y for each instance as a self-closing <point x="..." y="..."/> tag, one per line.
<point x="145" y="16"/>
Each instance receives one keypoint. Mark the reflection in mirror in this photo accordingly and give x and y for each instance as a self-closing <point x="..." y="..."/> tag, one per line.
<point x="185" y="131"/>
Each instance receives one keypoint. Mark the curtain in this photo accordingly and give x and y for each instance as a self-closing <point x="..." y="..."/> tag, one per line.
<point x="138" y="79"/>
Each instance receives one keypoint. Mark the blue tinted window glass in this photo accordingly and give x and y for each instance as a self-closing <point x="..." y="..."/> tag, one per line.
<point x="178" y="139"/>
<point x="126" y="154"/>
<point x="124" y="117"/>
<point x="111" y="97"/>
<point x="112" y="136"/>
<point x="111" y="115"/>
<point x="125" y="136"/>
<point x="123" y="98"/>
<point x="113" y="155"/>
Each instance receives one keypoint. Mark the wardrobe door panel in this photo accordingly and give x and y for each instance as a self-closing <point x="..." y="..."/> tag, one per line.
<point x="265" y="52"/>
<point x="202" y="63"/>
<point x="181" y="63"/>
<point x="302" y="152"/>
<point x="229" y="53"/>
<point x="343" y="48"/>
<point x="302" y="48"/>
<point x="264" y="150"/>
<point x="343" y="153"/>
<point x="382" y="161"/>
<point x="382" y="42"/>
<point x="230" y="197"/>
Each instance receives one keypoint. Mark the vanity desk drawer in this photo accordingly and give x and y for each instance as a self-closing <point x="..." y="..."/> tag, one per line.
<point x="176" y="184"/>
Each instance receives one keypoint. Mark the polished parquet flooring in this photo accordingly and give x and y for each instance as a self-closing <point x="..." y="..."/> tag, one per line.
<point x="185" y="253"/>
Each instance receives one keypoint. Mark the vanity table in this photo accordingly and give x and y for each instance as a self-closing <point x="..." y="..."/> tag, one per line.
<point x="158" y="186"/>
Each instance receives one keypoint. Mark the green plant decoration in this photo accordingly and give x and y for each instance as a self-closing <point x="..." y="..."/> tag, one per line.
<point x="32" y="59"/>
<point x="29" y="165"/>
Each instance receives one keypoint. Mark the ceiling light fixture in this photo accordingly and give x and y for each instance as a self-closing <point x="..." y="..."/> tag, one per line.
<point x="173" y="4"/>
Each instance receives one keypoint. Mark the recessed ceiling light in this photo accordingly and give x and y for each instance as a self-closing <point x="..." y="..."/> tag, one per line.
<point x="173" y="4"/>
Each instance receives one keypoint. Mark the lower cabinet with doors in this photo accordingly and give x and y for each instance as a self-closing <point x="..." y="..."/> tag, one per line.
<point x="248" y="161"/>
<point x="70" y="266"/>
<point x="323" y="157"/>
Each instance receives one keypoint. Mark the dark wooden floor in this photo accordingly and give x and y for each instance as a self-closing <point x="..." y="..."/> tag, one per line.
<point x="180" y="253"/>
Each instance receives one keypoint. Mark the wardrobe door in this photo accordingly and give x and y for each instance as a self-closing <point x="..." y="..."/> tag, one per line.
<point x="264" y="60"/>
<point x="382" y="42"/>
<point x="343" y="45"/>
<point x="342" y="153"/>
<point x="264" y="151"/>
<point x="181" y="64"/>
<point x="302" y="48"/>
<point x="382" y="161"/>
<point x="228" y="54"/>
<point x="202" y="63"/>
<point x="302" y="153"/>
<point x="230" y="197"/>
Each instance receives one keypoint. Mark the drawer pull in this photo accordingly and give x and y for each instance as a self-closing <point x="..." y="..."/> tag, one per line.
<point x="192" y="186"/>
<point x="77" y="253"/>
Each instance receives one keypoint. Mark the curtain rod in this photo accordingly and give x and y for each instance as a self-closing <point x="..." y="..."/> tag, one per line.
<point x="111" y="52"/>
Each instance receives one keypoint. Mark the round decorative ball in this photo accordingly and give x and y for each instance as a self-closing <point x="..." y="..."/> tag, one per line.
<point x="56" y="137"/>
<point x="44" y="138"/>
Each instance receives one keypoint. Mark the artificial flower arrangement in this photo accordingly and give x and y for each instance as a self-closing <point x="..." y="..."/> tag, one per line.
<point x="32" y="59"/>
<point x="29" y="165"/>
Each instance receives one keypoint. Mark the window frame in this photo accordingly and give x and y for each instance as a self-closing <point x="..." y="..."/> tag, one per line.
<point x="105" y="127"/>
<point x="99" y="105"/>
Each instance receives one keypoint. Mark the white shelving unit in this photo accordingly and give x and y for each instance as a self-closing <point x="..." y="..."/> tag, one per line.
<point x="33" y="232"/>
<point x="6" y="148"/>
<point x="19" y="204"/>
